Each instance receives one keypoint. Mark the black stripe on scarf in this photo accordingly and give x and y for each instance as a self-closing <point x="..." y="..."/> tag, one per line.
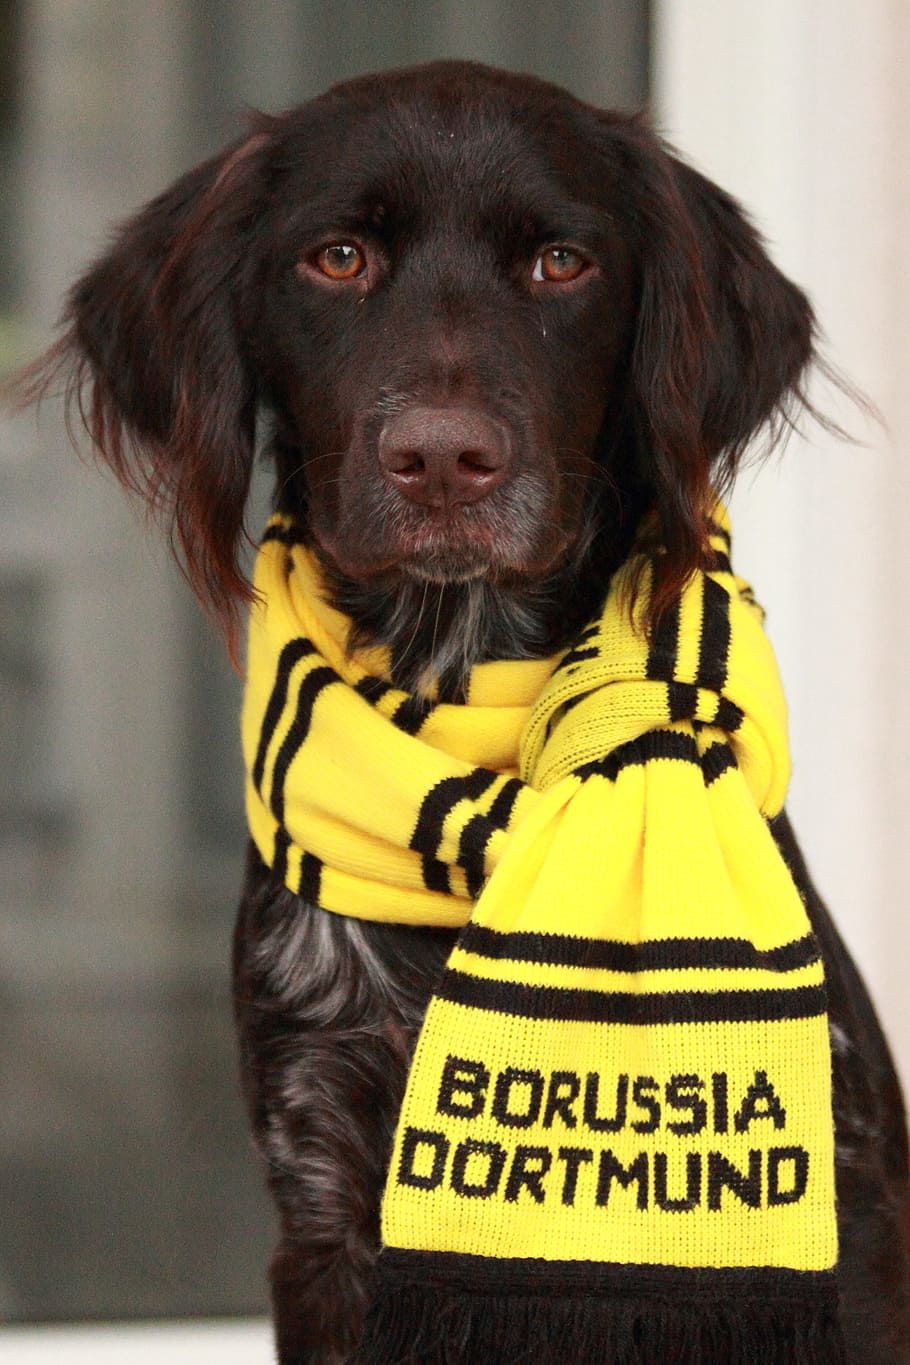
<point x="716" y="760"/>
<point x="443" y="798"/>
<point x="661" y="665"/>
<point x="313" y="684"/>
<point x="372" y="689"/>
<point x="720" y="532"/>
<point x="682" y="704"/>
<point x="656" y="744"/>
<point x="434" y="809"/>
<point x="463" y="1272"/>
<point x="714" y="645"/>
<point x="435" y="875"/>
<point x="472" y="847"/>
<point x="621" y="1007"/>
<point x="293" y="652"/>
<point x="475" y="837"/>
<point x="580" y="650"/>
<point x="728" y="716"/>
<point x="410" y="714"/>
<point x="504" y="802"/>
<point x="280" y="856"/>
<point x="565" y="950"/>
<point x="682" y="700"/>
<point x="310" y="883"/>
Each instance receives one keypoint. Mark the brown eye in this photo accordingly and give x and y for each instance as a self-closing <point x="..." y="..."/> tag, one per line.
<point x="341" y="261"/>
<point x="559" y="265"/>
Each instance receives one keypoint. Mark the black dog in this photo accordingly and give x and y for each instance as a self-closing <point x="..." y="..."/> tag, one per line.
<point x="488" y="327"/>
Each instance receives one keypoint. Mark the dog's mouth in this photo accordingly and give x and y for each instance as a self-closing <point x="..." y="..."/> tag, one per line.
<point x="504" y="538"/>
<point x="457" y="545"/>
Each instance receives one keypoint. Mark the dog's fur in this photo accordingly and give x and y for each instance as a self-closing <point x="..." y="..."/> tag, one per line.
<point x="470" y="445"/>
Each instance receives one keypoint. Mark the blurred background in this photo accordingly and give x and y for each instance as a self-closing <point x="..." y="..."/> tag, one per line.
<point x="128" y="1187"/>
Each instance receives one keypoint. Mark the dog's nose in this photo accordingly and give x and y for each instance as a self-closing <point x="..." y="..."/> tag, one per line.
<point x="444" y="456"/>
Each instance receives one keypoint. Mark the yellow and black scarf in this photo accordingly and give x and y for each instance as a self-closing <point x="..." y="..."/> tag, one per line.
<point x="616" y="1142"/>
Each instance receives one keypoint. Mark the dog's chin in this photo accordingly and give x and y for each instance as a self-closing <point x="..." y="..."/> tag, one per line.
<point x="438" y="567"/>
<point x="443" y="566"/>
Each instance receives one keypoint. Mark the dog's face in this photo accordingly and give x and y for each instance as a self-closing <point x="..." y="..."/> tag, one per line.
<point x="491" y="327"/>
<point x="438" y="326"/>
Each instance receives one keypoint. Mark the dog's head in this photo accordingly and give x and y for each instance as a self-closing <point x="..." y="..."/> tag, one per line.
<point x="488" y="325"/>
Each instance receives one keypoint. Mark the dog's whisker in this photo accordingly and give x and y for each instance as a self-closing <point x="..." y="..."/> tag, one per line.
<point x="402" y="658"/>
<point x="439" y="597"/>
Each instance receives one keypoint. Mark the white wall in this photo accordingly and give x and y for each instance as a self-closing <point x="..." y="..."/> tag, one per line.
<point x="802" y="109"/>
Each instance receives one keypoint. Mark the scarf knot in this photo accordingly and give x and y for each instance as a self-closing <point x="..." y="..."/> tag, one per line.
<point x="707" y="664"/>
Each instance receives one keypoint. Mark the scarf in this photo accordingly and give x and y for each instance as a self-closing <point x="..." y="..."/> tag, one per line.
<point x="616" y="1141"/>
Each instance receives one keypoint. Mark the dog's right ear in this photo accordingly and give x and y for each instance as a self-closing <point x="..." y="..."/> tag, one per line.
<point x="153" y="359"/>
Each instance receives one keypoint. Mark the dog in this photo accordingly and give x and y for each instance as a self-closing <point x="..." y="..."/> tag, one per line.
<point x="481" y="329"/>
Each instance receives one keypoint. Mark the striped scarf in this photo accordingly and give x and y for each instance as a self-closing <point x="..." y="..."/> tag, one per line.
<point x="616" y="1141"/>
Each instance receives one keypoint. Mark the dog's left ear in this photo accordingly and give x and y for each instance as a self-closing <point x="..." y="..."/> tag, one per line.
<point x="721" y="345"/>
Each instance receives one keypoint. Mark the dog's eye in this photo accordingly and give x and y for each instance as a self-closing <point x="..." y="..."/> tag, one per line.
<point x="559" y="265"/>
<point x="341" y="261"/>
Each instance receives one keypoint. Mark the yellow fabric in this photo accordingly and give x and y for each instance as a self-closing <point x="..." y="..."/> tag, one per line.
<point x="627" y="1058"/>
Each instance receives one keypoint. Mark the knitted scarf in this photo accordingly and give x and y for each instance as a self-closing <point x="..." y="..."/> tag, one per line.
<point x="616" y="1142"/>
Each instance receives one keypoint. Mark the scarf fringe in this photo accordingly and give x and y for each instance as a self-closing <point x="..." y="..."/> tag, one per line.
<point x="427" y="1325"/>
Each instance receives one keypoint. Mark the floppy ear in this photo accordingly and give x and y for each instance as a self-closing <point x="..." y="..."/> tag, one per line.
<point x="760" y="334"/>
<point x="722" y="344"/>
<point x="153" y="353"/>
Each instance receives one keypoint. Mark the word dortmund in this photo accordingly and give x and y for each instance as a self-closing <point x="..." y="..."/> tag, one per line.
<point x="477" y="1170"/>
